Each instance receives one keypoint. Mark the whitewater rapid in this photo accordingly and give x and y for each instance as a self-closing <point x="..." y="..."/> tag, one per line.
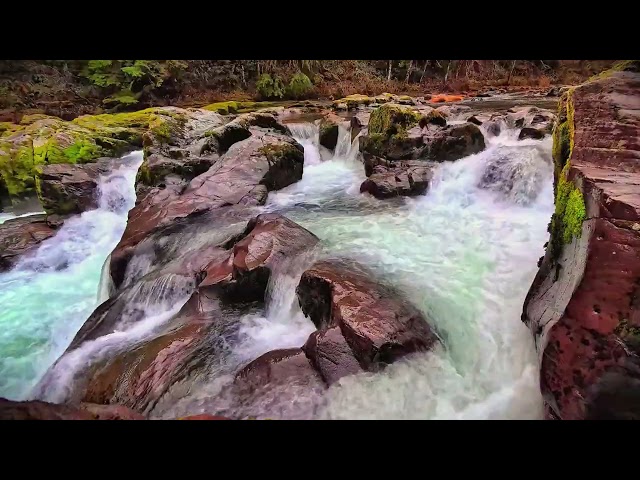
<point x="465" y="255"/>
<point x="47" y="297"/>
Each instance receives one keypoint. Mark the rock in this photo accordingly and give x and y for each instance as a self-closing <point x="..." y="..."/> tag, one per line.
<point x="528" y="132"/>
<point x="328" y="135"/>
<point x="452" y="112"/>
<point x="582" y="306"/>
<point x="377" y="324"/>
<point x="41" y="140"/>
<point x="220" y="282"/>
<point x="278" y="384"/>
<point x="37" y="410"/>
<point x="71" y="189"/>
<point x="402" y="133"/>
<point x="453" y="142"/>
<point x="20" y="236"/>
<point x="352" y="102"/>
<point x="405" y="178"/>
<point x="331" y="355"/>
<point x="243" y="175"/>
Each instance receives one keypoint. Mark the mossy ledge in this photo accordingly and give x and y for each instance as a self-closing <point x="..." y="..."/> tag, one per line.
<point x="570" y="209"/>
<point x="41" y="140"/>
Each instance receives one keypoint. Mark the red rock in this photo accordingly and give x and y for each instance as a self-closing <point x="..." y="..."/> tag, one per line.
<point x="37" y="410"/>
<point x="331" y="355"/>
<point x="19" y="236"/>
<point x="243" y="176"/>
<point x="583" y="305"/>
<point x="378" y="325"/>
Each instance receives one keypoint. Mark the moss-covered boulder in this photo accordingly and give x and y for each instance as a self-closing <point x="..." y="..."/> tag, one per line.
<point x="352" y="102"/>
<point x="329" y="129"/>
<point x="42" y="140"/>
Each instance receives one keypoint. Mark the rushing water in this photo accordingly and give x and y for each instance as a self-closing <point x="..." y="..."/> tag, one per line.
<point x="465" y="254"/>
<point x="46" y="298"/>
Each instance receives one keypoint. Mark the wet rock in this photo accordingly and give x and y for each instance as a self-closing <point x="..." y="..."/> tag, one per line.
<point x="243" y="176"/>
<point x="533" y="133"/>
<point x="405" y="178"/>
<point x="377" y="323"/>
<point x="220" y="281"/>
<point x="278" y="384"/>
<point x="328" y="135"/>
<point x="20" y="236"/>
<point x="331" y="355"/>
<point x="37" y="410"/>
<point x="453" y="142"/>
<point x="72" y="189"/>
<point x="582" y="307"/>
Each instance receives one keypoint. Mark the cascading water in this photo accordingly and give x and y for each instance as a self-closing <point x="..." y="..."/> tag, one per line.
<point x="465" y="254"/>
<point x="46" y="298"/>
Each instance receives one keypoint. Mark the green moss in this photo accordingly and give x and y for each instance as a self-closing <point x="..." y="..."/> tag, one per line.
<point x="224" y="108"/>
<point x="82" y="151"/>
<point x="353" y="101"/>
<point x="391" y="118"/>
<point x="274" y="152"/>
<point x="621" y="66"/>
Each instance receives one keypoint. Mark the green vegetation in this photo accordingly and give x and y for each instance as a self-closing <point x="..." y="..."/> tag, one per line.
<point x="390" y="119"/>
<point x="125" y="81"/>
<point x="270" y="88"/>
<point x="299" y="87"/>
<point x="43" y="140"/>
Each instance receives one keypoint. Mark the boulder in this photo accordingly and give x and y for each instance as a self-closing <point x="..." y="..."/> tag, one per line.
<point x="19" y="236"/>
<point x="329" y="128"/>
<point x="220" y="282"/>
<point x="72" y="189"/>
<point x="404" y="178"/>
<point x="583" y="307"/>
<point x="331" y="355"/>
<point x="533" y="133"/>
<point x="279" y="384"/>
<point x="243" y="176"/>
<point x="453" y="142"/>
<point x="377" y="323"/>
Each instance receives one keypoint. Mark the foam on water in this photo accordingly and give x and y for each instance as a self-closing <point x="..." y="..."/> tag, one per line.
<point x="46" y="298"/>
<point x="465" y="255"/>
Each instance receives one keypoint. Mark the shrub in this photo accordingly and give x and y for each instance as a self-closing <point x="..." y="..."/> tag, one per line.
<point x="299" y="87"/>
<point x="270" y="88"/>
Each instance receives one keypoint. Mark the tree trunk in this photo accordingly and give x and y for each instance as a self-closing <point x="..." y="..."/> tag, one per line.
<point x="511" y="72"/>
<point x="426" y="62"/>
<point x="446" y="75"/>
<point x="406" y="80"/>
<point x="389" y="74"/>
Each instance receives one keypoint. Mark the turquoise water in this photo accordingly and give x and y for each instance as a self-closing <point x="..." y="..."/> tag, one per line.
<point x="48" y="296"/>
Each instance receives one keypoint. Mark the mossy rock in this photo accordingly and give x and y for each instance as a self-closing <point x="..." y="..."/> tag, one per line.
<point x="352" y="102"/>
<point x="224" y="108"/>
<point x="50" y="140"/>
<point x="328" y="133"/>
<point x="391" y="118"/>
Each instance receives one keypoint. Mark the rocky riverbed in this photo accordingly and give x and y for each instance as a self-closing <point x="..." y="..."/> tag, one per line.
<point x="363" y="259"/>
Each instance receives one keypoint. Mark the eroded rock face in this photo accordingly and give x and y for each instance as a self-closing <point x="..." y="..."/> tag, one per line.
<point x="220" y="282"/>
<point x="583" y="305"/>
<point x="72" y="189"/>
<point x="19" y="236"/>
<point x="406" y="178"/>
<point x="242" y="176"/>
<point x="377" y="324"/>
